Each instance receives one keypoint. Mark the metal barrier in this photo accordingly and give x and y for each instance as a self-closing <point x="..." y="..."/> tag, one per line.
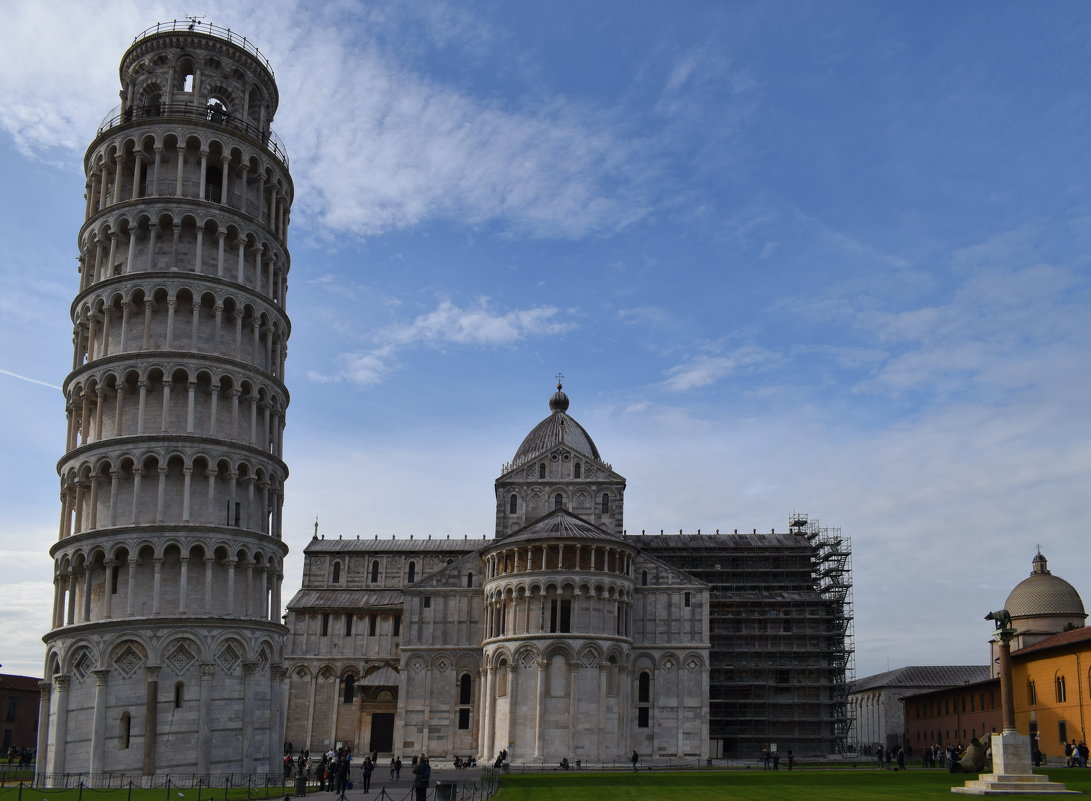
<point x="192" y="25"/>
<point x="195" y="111"/>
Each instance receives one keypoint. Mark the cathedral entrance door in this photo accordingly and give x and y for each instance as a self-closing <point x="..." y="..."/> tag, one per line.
<point x="382" y="732"/>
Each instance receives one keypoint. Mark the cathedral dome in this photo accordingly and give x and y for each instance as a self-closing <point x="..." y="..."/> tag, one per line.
<point x="1042" y="594"/>
<point x="558" y="428"/>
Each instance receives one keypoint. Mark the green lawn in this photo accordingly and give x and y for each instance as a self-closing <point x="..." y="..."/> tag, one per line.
<point x="801" y="785"/>
<point x="15" y="793"/>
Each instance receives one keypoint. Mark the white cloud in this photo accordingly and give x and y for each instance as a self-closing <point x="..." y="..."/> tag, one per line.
<point x="375" y="144"/>
<point x="447" y="324"/>
<point x="701" y="371"/>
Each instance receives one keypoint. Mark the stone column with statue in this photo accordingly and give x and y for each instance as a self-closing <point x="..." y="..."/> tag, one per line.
<point x="1011" y="761"/>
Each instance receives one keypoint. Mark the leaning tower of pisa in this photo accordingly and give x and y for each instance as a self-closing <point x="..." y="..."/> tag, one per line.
<point x="165" y="652"/>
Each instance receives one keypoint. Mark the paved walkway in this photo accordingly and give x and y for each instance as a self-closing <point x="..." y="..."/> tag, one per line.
<point x="395" y="790"/>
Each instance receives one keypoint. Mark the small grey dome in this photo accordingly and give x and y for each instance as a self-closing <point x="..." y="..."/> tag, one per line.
<point x="1043" y="594"/>
<point x="558" y="402"/>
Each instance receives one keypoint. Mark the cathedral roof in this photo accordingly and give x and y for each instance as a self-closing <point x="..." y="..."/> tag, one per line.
<point x="560" y="524"/>
<point x="923" y="676"/>
<point x="557" y="428"/>
<point x="1042" y="593"/>
<point x="345" y="599"/>
<point x="391" y="545"/>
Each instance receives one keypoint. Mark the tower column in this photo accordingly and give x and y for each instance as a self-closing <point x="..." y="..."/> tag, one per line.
<point x="41" y="751"/>
<point x="98" y="724"/>
<point x="539" y="703"/>
<point x="204" y="717"/>
<point x="60" y="731"/>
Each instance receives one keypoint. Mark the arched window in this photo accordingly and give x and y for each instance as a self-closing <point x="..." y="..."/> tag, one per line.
<point x="465" y="699"/>
<point x="1032" y="694"/>
<point x="217" y="110"/>
<point x="151" y="101"/>
<point x="124" y="730"/>
<point x="374" y="571"/>
<point x="412" y="572"/>
<point x="644" y="700"/>
<point x="179" y="694"/>
<point x="576" y="470"/>
<point x="644" y="577"/>
<point x="469" y="579"/>
<point x="558" y="501"/>
<point x="502" y="678"/>
<point x="1062" y="695"/>
<point x="348" y="688"/>
<point x="513" y="504"/>
<point x="541" y="470"/>
<point x="336" y="572"/>
<point x="605" y="503"/>
<point x="185" y="75"/>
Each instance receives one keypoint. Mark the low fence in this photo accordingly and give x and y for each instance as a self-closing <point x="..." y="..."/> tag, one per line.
<point x="213" y="786"/>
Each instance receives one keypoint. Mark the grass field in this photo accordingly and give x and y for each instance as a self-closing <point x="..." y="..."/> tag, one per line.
<point x="12" y="792"/>
<point x="797" y="785"/>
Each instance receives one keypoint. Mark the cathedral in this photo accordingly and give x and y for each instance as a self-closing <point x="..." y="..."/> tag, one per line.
<point x="564" y="637"/>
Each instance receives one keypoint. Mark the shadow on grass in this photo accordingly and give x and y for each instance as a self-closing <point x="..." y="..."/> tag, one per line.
<point x="798" y="785"/>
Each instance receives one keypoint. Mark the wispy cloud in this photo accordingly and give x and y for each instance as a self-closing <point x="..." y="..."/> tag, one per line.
<point x="701" y="371"/>
<point x="447" y="324"/>
<point x="376" y="144"/>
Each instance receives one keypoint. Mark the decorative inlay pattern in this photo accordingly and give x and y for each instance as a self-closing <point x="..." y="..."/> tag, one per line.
<point x="180" y="658"/>
<point x="228" y="658"/>
<point x="128" y="661"/>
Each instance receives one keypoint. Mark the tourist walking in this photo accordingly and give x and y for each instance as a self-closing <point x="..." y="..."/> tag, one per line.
<point x="422" y="772"/>
<point x="634" y="759"/>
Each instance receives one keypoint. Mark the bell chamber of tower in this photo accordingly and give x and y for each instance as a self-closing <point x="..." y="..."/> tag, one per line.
<point x="165" y="653"/>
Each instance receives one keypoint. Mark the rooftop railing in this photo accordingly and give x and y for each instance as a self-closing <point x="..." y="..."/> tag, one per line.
<point x="207" y="28"/>
<point x="193" y="111"/>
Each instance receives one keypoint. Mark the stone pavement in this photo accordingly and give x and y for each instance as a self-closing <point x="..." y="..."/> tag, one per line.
<point x="396" y="790"/>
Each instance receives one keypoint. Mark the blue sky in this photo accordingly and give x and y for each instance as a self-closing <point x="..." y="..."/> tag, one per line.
<point x="825" y="257"/>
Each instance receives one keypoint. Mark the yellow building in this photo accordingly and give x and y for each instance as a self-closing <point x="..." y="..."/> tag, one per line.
<point x="1052" y="685"/>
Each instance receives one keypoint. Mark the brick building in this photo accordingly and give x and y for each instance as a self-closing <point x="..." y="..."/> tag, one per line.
<point x="19" y="707"/>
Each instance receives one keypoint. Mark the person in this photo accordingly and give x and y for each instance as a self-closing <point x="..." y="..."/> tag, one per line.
<point x="776" y="760"/>
<point x="564" y="763"/>
<point x="367" y="770"/>
<point x="422" y="772"/>
<point x="634" y="759"/>
<point x="901" y="759"/>
<point x="791" y="759"/>
<point x="391" y="768"/>
<point x="398" y="769"/>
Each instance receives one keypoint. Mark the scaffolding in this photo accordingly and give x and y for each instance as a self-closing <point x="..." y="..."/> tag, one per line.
<point x="780" y="631"/>
<point x="833" y="571"/>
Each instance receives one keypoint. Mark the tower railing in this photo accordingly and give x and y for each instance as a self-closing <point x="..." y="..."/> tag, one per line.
<point x="194" y="26"/>
<point x="194" y="111"/>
